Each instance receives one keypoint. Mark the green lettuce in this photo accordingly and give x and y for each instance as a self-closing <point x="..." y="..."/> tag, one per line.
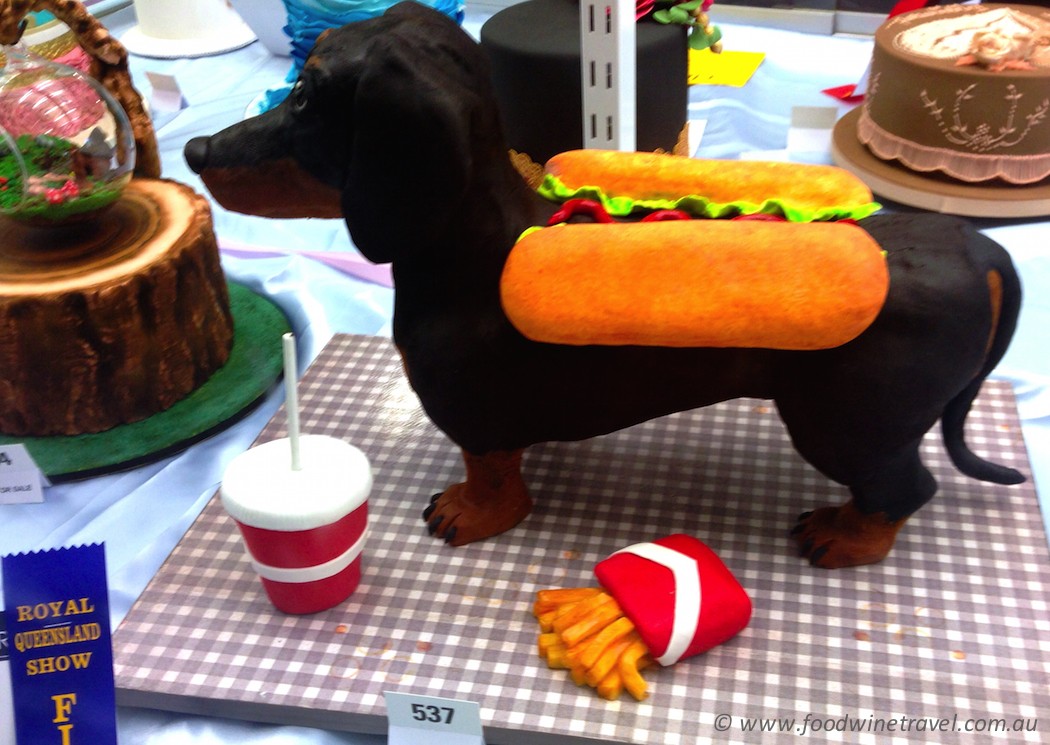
<point x="621" y="206"/>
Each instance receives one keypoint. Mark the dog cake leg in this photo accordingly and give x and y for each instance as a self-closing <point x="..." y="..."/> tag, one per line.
<point x="883" y="470"/>
<point x="492" y="499"/>
<point x="863" y="530"/>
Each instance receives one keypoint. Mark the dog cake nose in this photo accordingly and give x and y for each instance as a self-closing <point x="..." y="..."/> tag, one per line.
<point x="196" y="153"/>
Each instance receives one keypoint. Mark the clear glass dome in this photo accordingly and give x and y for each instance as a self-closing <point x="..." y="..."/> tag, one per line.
<point x="66" y="147"/>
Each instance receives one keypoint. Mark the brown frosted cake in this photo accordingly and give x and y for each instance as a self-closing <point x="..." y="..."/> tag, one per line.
<point x="111" y="321"/>
<point x="962" y="90"/>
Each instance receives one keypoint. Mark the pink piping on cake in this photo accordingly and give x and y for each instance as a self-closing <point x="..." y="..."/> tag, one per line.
<point x="1014" y="169"/>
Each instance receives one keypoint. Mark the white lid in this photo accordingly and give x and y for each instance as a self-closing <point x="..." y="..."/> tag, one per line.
<point x="260" y="488"/>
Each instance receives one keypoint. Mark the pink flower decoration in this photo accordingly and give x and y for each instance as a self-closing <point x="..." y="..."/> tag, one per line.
<point x="643" y="8"/>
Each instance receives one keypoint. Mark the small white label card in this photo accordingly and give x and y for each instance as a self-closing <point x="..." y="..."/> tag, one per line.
<point x="436" y="721"/>
<point x="861" y="88"/>
<point x="811" y="129"/>
<point x="21" y="480"/>
<point x="696" y="130"/>
<point x="167" y="96"/>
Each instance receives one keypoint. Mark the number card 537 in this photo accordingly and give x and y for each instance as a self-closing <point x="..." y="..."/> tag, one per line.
<point x="445" y="721"/>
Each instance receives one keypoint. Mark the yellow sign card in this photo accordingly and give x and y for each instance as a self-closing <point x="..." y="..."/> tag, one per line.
<point x="728" y="68"/>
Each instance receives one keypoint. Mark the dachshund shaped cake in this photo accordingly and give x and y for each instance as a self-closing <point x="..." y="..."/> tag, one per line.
<point x="393" y="126"/>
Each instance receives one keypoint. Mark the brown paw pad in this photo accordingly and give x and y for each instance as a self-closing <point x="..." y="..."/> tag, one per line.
<point x="835" y="537"/>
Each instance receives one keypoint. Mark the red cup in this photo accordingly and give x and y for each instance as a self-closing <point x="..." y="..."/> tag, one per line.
<point x="304" y="529"/>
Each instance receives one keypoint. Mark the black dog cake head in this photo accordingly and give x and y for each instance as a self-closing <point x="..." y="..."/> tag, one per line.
<point x="393" y="126"/>
<point x="390" y="115"/>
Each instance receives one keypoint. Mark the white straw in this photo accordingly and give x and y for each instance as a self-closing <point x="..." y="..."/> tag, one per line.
<point x="291" y="398"/>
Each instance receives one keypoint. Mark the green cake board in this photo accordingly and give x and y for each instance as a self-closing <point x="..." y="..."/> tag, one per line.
<point x="254" y="365"/>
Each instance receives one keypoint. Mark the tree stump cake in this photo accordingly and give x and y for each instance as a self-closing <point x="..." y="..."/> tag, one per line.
<point x="108" y="322"/>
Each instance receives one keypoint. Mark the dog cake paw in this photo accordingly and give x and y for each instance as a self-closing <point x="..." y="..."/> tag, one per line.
<point x="658" y="602"/>
<point x="836" y="537"/>
<point x="492" y="500"/>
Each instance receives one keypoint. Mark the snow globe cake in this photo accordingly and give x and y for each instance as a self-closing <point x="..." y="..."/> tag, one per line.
<point x="66" y="147"/>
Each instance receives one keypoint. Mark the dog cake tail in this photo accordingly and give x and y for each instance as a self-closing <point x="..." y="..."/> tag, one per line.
<point x="1004" y="294"/>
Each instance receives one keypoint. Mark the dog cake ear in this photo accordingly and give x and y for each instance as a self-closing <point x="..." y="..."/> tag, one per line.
<point x="410" y="152"/>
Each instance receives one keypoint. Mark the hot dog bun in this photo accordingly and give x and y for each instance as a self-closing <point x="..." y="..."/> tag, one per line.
<point x="661" y="178"/>
<point x="696" y="283"/>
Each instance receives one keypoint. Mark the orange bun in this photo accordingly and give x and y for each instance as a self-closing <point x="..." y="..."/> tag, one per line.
<point x="659" y="176"/>
<point x="696" y="283"/>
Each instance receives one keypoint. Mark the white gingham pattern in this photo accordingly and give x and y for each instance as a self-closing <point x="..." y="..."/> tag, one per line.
<point x="954" y="622"/>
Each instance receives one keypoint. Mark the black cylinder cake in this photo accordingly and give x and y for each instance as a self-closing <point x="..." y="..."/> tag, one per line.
<point x="964" y="91"/>
<point x="534" y="48"/>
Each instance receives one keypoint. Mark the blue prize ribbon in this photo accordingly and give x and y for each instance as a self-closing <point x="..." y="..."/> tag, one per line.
<point x="56" y="608"/>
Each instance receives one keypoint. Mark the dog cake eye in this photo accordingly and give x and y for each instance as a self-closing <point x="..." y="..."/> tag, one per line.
<point x="298" y="96"/>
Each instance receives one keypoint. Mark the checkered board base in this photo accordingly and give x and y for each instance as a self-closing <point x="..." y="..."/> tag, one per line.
<point x="951" y="631"/>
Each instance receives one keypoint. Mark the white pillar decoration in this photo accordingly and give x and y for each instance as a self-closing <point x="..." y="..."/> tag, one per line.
<point x="607" y="67"/>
